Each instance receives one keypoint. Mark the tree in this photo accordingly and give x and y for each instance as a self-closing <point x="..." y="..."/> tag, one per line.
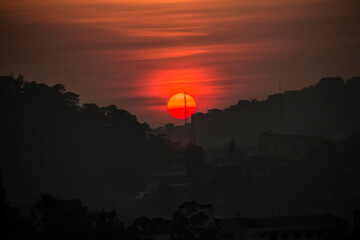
<point x="13" y="225"/>
<point x="193" y="221"/>
<point x="61" y="219"/>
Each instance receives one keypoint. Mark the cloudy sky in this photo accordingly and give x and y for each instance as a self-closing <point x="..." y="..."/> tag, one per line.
<point x="138" y="53"/>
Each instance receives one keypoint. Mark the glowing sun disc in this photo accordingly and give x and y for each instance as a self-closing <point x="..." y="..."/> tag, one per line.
<point x="177" y="108"/>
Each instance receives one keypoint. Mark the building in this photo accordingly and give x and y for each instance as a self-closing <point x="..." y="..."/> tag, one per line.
<point x="289" y="147"/>
<point x="322" y="226"/>
<point x="181" y="133"/>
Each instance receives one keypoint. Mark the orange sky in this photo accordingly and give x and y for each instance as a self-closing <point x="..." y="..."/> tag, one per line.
<point x="137" y="54"/>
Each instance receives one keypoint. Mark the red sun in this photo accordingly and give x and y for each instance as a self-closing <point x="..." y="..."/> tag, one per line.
<point x="181" y="106"/>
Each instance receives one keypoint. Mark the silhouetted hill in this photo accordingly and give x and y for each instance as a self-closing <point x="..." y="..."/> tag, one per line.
<point x="51" y="144"/>
<point x="330" y="109"/>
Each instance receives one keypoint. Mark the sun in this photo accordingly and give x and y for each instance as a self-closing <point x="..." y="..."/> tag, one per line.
<point x="181" y="106"/>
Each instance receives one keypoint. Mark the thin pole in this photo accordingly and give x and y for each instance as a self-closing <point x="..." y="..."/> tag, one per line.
<point x="185" y="106"/>
<point x="281" y="110"/>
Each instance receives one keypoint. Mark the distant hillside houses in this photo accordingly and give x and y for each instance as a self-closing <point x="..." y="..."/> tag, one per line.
<point x="289" y="147"/>
<point x="322" y="226"/>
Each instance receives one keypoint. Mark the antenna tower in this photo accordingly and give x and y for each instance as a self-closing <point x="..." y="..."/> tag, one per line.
<point x="281" y="110"/>
<point x="185" y="107"/>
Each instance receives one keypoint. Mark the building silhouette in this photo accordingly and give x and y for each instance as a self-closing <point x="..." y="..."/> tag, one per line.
<point x="322" y="226"/>
<point x="289" y="147"/>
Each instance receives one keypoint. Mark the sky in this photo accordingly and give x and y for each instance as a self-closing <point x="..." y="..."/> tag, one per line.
<point x="136" y="54"/>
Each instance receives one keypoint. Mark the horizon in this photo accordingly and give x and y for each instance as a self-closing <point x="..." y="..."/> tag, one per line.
<point x="180" y="122"/>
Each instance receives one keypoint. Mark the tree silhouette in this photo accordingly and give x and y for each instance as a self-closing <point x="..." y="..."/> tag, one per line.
<point x="192" y="221"/>
<point x="49" y="142"/>
<point x="61" y="219"/>
<point x="69" y="219"/>
<point x="13" y="225"/>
